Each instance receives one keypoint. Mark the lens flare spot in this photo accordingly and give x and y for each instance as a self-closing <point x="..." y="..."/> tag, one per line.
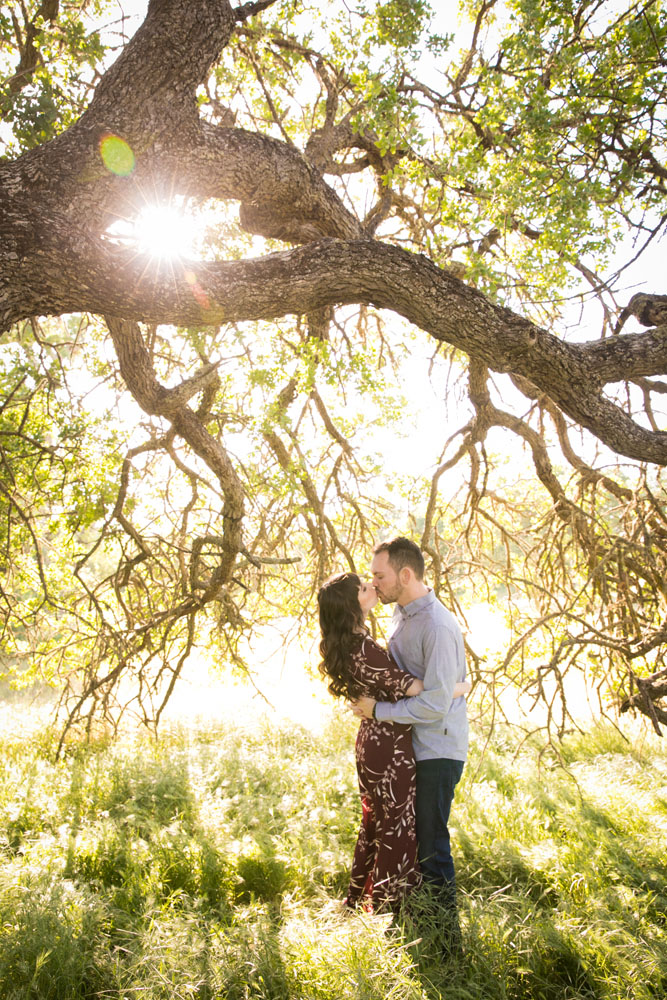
<point x="117" y="155"/>
<point x="198" y="292"/>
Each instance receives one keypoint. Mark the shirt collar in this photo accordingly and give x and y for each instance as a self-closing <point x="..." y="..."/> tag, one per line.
<point x="417" y="605"/>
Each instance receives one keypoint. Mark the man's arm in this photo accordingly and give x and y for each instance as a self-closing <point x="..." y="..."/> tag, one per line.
<point x="363" y="705"/>
<point x="440" y="660"/>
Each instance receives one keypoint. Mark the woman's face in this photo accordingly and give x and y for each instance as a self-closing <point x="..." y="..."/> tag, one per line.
<point x="367" y="597"/>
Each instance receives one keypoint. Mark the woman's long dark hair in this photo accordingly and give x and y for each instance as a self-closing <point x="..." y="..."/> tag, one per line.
<point x="340" y="617"/>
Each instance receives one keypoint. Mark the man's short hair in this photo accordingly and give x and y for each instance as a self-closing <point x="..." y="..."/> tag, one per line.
<point x="402" y="552"/>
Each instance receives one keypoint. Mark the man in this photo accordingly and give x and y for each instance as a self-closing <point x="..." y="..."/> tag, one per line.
<point x="426" y="641"/>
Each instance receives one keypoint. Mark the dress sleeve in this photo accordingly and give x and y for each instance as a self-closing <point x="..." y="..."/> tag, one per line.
<point x="380" y="674"/>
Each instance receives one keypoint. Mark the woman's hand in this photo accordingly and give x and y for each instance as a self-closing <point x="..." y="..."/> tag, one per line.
<point x="363" y="707"/>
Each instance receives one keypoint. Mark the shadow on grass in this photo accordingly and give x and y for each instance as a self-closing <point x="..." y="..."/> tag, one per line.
<point x="210" y="865"/>
<point x="510" y="948"/>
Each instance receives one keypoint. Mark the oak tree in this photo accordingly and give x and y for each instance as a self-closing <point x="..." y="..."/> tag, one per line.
<point x="359" y="174"/>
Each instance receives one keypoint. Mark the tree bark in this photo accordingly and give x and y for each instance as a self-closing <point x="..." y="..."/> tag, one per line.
<point x="57" y="200"/>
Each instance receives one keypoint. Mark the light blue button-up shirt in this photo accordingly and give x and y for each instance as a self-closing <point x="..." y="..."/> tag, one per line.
<point x="426" y="641"/>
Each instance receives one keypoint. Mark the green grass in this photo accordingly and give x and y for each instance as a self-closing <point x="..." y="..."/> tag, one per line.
<point x="209" y="864"/>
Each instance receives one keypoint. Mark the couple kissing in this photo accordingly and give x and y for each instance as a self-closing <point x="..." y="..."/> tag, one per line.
<point x="413" y="738"/>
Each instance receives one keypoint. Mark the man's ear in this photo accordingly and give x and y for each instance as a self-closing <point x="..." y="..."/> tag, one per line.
<point x="405" y="576"/>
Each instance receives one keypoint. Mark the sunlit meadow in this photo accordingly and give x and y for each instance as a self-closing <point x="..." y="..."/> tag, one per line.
<point x="210" y="863"/>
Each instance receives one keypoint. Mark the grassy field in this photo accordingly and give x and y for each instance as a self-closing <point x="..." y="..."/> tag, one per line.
<point x="209" y="864"/>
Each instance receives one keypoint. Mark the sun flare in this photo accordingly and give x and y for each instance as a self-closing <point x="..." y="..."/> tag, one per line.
<point x="164" y="231"/>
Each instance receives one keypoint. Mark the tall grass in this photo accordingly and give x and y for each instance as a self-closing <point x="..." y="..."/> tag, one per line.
<point x="210" y="864"/>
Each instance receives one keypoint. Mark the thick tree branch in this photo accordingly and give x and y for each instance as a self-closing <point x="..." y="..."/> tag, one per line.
<point x="167" y="58"/>
<point x="137" y="370"/>
<point x="104" y="279"/>
<point x="282" y="196"/>
<point x="247" y="10"/>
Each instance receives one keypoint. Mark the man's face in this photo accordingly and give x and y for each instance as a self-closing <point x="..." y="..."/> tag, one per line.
<point x="385" y="578"/>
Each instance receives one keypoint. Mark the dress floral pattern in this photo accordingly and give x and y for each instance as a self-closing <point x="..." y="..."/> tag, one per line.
<point x="385" y="866"/>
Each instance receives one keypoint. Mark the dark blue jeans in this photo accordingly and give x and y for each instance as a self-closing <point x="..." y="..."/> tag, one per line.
<point x="436" y="781"/>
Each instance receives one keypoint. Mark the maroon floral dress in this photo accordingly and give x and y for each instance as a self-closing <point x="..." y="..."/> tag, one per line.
<point x="385" y="866"/>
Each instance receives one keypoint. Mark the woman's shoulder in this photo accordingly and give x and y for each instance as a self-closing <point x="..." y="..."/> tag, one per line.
<point x="372" y="651"/>
<point x="363" y="641"/>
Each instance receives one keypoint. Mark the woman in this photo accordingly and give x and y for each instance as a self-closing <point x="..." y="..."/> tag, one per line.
<point x="385" y="866"/>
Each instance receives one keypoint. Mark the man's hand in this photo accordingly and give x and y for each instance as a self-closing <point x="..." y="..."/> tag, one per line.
<point x="363" y="707"/>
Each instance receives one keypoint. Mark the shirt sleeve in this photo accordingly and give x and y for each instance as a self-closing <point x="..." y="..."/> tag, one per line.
<point x="439" y="647"/>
